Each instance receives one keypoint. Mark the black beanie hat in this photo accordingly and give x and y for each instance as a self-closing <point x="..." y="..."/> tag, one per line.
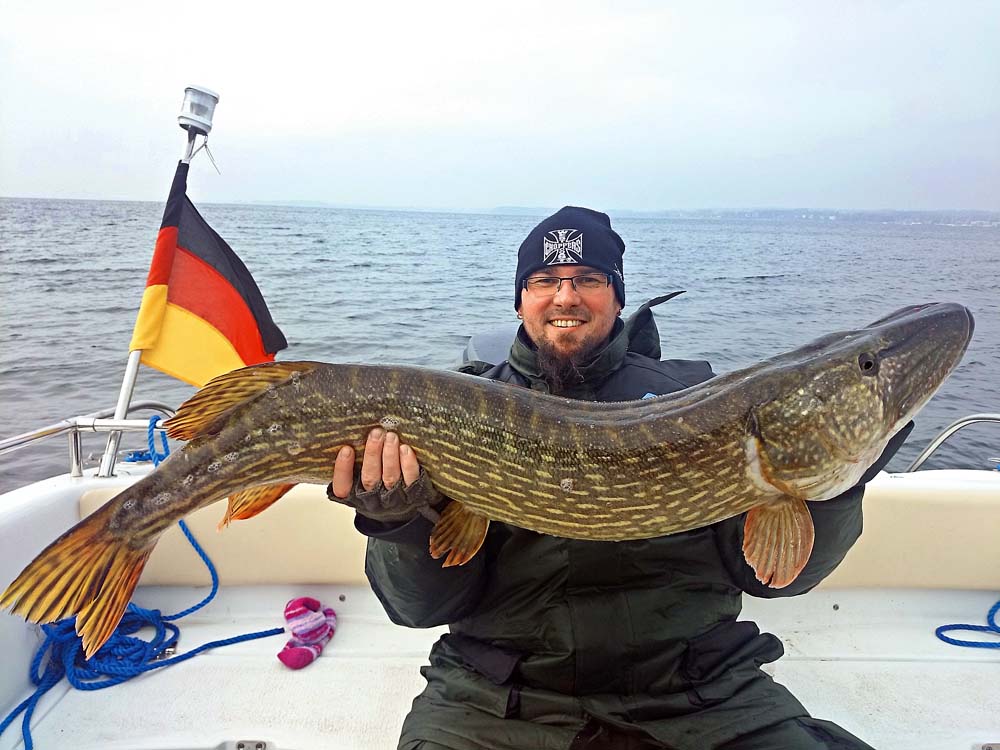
<point x="572" y="235"/>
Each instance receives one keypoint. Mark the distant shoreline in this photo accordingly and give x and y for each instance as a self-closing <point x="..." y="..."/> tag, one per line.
<point x="949" y="217"/>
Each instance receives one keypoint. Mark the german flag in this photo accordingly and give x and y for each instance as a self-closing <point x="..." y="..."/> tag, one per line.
<point x="201" y="314"/>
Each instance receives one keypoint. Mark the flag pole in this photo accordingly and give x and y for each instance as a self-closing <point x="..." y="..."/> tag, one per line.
<point x="195" y="118"/>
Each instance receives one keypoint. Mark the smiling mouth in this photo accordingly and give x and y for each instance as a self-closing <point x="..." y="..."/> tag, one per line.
<point x="560" y="323"/>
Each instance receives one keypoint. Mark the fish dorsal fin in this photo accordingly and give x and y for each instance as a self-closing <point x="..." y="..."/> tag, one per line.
<point x="201" y="414"/>
<point x="460" y="533"/>
<point x="778" y="539"/>
<point x="249" y="503"/>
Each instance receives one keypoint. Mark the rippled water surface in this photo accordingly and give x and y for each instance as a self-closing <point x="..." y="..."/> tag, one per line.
<point x="402" y="287"/>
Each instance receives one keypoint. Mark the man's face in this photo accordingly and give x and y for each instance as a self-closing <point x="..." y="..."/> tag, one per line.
<point x="569" y="323"/>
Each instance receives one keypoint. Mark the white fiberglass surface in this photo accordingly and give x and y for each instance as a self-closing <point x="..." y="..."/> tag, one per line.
<point x="866" y="658"/>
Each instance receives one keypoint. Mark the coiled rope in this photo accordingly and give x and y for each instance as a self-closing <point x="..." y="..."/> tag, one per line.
<point x="991" y="626"/>
<point x="124" y="656"/>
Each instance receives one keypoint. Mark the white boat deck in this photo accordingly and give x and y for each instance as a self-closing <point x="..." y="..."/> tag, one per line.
<point x="867" y="659"/>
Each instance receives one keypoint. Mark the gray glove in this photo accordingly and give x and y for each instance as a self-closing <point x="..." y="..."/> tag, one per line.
<point x="396" y="504"/>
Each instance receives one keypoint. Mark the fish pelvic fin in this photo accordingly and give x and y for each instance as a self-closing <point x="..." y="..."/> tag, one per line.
<point x="249" y="503"/>
<point x="778" y="540"/>
<point x="89" y="572"/>
<point x="460" y="533"/>
<point x="204" y="413"/>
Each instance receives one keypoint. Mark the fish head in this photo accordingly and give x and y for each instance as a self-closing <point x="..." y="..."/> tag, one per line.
<point x="833" y="405"/>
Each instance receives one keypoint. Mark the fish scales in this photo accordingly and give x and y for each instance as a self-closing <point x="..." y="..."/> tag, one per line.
<point x="544" y="444"/>
<point x="579" y="445"/>
<point x="335" y="405"/>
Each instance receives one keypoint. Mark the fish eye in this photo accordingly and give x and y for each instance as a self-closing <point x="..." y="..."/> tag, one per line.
<point x="868" y="363"/>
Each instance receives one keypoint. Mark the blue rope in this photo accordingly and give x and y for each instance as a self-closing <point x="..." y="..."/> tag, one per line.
<point x="991" y="626"/>
<point x="151" y="454"/>
<point x="123" y="656"/>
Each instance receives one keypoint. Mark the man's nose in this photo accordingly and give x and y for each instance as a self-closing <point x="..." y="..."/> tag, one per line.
<point x="567" y="293"/>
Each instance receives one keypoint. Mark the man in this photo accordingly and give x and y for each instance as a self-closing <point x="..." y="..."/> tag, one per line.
<point x="559" y="643"/>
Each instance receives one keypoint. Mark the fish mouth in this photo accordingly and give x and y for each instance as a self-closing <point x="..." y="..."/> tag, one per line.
<point x="923" y="344"/>
<point x="950" y="313"/>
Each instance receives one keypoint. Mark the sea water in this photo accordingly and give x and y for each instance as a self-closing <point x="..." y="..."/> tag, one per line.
<point x="410" y="287"/>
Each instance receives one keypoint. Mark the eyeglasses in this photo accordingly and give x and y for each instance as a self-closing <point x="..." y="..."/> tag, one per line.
<point x="549" y="286"/>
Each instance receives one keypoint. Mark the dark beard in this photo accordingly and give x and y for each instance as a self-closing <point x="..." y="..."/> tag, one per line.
<point x="562" y="372"/>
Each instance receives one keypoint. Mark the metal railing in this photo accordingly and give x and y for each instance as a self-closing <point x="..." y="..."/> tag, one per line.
<point x="947" y="432"/>
<point x="95" y="422"/>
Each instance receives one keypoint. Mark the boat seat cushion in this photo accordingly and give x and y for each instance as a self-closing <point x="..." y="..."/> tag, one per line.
<point x="928" y="529"/>
<point x="302" y="538"/>
<point x="918" y="533"/>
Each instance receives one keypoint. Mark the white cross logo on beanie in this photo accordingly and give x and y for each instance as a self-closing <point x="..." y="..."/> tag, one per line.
<point x="562" y="246"/>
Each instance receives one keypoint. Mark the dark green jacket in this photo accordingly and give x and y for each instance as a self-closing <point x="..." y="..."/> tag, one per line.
<point x="546" y="631"/>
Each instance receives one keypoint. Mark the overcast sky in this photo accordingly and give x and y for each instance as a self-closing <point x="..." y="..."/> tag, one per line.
<point x="618" y="105"/>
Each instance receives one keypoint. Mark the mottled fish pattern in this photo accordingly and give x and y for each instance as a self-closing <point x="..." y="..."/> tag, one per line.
<point x="800" y="426"/>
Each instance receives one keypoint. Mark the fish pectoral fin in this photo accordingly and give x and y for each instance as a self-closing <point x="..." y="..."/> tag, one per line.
<point x="460" y="532"/>
<point x="203" y="413"/>
<point x="249" y="503"/>
<point x="88" y="572"/>
<point x="778" y="539"/>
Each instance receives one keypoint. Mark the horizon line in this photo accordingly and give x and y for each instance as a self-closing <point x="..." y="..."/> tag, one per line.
<point x="521" y="210"/>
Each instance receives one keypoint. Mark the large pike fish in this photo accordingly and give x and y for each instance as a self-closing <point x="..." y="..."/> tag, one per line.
<point x="800" y="426"/>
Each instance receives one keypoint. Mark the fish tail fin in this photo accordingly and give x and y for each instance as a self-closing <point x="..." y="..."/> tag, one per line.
<point x="89" y="572"/>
